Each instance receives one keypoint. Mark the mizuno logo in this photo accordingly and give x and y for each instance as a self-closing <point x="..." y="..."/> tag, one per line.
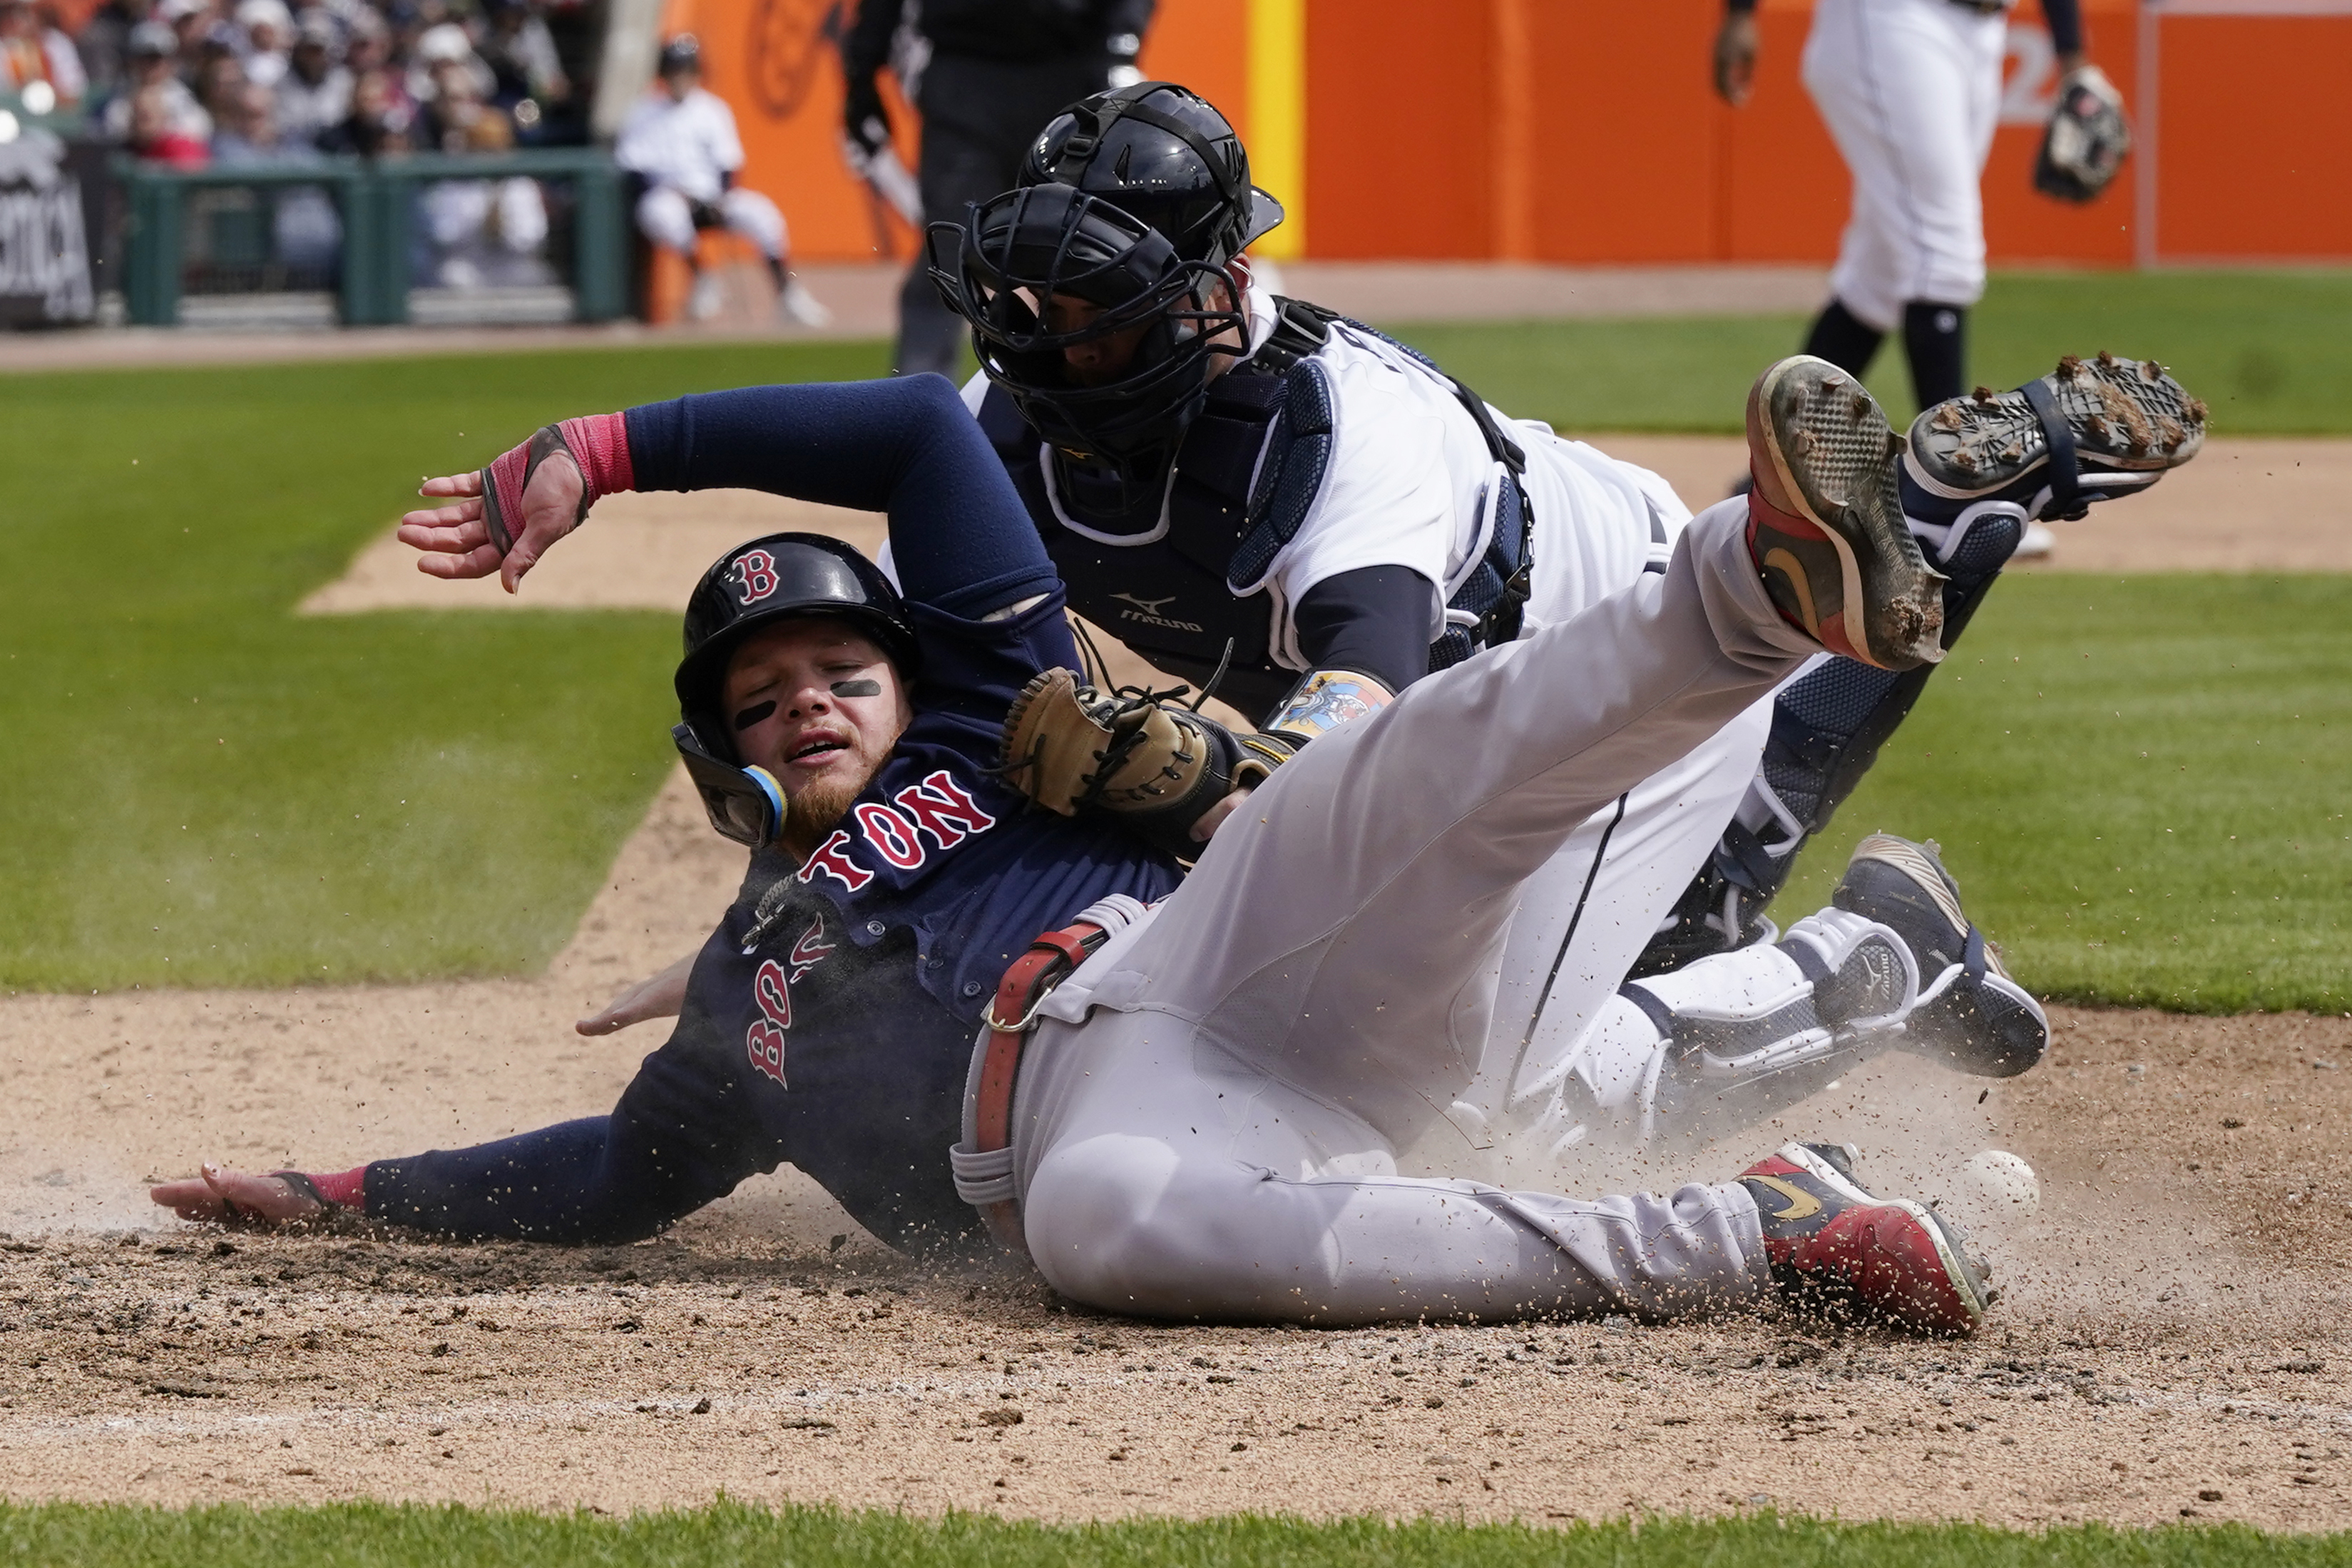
<point x="1802" y="1205"/>
<point x="1147" y="610"/>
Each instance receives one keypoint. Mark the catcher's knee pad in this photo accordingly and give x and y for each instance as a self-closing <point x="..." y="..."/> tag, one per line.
<point x="1827" y="727"/>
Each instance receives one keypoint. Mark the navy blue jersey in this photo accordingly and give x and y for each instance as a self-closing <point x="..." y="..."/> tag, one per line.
<point x="830" y="1019"/>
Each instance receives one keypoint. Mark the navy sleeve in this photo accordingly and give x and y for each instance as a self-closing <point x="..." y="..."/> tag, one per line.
<point x="1373" y="620"/>
<point x="959" y="537"/>
<point x="2065" y="19"/>
<point x="678" y="1139"/>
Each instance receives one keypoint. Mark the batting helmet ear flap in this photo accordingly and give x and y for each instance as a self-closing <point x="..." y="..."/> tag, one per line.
<point x="745" y="804"/>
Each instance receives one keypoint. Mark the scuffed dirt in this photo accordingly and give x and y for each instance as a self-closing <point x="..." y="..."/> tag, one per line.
<point x="2172" y="1326"/>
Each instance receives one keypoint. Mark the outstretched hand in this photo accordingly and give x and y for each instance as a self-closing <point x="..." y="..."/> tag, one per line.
<point x="455" y="542"/>
<point x="235" y="1197"/>
<point x="662" y="996"/>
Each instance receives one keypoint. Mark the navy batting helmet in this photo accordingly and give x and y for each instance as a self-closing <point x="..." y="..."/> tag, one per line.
<point x="781" y="577"/>
<point x="683" y="53"/>
<point x="1133" y="201"/>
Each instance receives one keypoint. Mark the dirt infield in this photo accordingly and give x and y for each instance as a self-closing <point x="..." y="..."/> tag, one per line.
<point x="2171" y="1339"/>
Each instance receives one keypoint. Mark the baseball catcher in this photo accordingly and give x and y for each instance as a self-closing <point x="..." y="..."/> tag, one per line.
<point x="1200" y="1120"/>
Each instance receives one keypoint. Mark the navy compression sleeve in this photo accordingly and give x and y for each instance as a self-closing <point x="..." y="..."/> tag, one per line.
<point x="1373" y="620"/>
<point x="958" y="535"/>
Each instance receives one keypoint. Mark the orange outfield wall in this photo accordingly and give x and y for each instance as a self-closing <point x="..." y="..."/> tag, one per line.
<point x="1585" y="131"/>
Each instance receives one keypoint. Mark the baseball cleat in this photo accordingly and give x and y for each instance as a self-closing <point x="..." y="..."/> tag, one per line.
<point x="1825" y="519"/>
<point x="2091" y="430"/>
<point x="1837" y="1248"/>
<point x="1970" y="1012"/>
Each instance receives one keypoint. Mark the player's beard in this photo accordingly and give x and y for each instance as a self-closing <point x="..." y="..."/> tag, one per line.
<point x="819" y="807"/>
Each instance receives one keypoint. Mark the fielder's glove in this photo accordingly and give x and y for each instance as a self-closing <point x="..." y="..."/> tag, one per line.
<point x="2087" y="138"/>
<point x="1136" y="758"/>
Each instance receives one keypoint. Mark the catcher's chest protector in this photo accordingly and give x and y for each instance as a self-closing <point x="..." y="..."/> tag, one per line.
<point x="1154" y="573"/>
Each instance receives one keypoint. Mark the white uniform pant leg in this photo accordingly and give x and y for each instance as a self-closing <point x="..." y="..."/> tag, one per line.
<point x="665" y="218"/>
<point x="1588" y="913"/>
<point x="1339" y="943"/>
<point x="1908" y="90"/>
<point x="1584" y="920"/>
<point x="1183" y="1182"/>
<point x="755" y="217"/>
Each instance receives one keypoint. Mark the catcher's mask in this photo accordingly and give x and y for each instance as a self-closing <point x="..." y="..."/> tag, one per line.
<point x="781" y="577"/>
<point x="1135" y="202"/>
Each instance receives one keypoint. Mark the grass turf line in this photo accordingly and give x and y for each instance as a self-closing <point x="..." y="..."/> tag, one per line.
<point x="200" y="787"/>
<point x="2255" y="345"/>
<point x="2138" y="784"/>
<point x="375" y="1535"/>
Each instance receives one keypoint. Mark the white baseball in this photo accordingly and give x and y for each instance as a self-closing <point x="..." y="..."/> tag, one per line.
<point x="2003" y="1184"/>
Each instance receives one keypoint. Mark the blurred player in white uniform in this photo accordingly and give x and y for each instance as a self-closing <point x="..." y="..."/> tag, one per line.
<point x="682" y="139"/>
<point x="1910" y="90"/>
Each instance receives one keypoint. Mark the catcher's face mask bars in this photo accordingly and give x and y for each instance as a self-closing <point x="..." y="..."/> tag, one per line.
<point x="745" y="804"/>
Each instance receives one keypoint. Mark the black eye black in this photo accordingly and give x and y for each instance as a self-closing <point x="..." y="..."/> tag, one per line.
<point x="753" y="715"/>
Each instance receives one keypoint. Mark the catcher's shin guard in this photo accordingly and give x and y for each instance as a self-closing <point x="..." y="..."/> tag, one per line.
<point x="1827" y="727"/>
<point x="1839" y="1250"/>
<point x="1751" y="1033"/>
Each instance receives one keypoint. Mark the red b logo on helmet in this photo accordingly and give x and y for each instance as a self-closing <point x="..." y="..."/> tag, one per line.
<point x="755" y="572"/>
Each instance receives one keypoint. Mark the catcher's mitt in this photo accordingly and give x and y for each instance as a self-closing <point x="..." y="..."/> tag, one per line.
<point x="1137" y="757"/>
<point x="2087" y="138"/>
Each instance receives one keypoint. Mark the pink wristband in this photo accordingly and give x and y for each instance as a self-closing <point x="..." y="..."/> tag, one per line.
<point x="599" y="447"/>
<point x="346" y="1189"/>
<point x="600" y="444"/>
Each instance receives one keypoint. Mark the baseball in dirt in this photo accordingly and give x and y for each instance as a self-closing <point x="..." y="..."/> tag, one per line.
<point x="2003" y="1185"/>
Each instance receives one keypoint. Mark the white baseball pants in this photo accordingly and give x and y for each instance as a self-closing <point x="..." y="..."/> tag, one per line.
<point x="1588" y="913"/>
<point x="1206" y="1122"/>
<point x="1910" y="90"/>
<point x="664" y="217"/>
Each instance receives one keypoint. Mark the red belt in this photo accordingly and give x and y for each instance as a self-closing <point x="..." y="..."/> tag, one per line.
<point x="1011" y="1015"/>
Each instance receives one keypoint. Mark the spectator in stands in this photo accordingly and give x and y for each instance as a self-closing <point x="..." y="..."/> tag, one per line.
<point x="305" y="230"/>
<point x="380" y="119"/>
<point x="487" y="233"/>
<point x="316" y="92"/>
<point x="456" y="103"/>
<point x="681" y="140"/>
<point x="219" y="81"/>
<point x="442" y="51"/>
<point x="524" y="65"/>
<point x="269" y="29"/>
<point x="156" y="110"/>
<point x="155" y="127"/>
<point x="39" y="64"/>
<point x="104" y="45"/>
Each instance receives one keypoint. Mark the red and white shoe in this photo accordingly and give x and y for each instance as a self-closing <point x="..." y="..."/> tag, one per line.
<point x="1837" y="1249"/>
<point x="1825" y="518"/>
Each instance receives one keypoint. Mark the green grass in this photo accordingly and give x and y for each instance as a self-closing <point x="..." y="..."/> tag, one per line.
<point x="198" y="788"/>
<point x="2140" y="785"/>
<point x="70" y="1535"/>
<point x="2265" y="349"/>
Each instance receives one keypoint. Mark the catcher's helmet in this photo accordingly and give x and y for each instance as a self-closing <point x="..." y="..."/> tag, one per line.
<point x="1133" y="201"/>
